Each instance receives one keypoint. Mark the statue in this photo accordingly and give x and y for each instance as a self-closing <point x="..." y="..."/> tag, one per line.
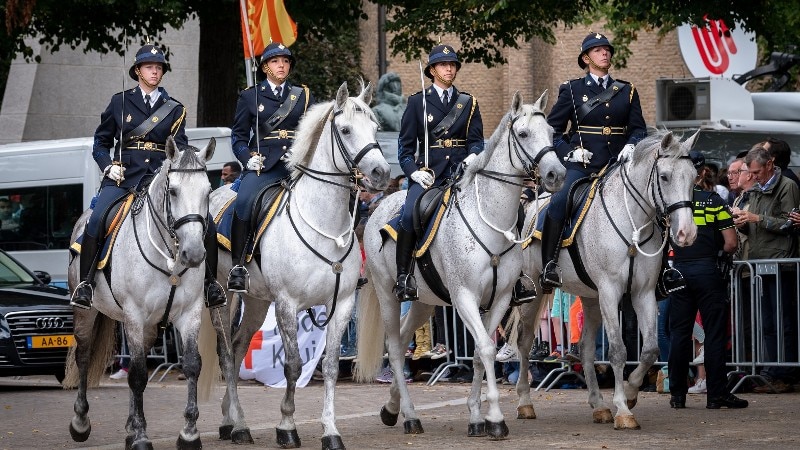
<point x="390" y="102"/>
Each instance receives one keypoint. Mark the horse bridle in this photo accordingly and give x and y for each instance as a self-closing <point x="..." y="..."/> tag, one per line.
<point x="663" y="210"/>
<point x="172" y="224"/>
<point x="530" y="164"/>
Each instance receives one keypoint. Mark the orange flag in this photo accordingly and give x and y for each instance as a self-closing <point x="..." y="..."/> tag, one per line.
<point x="265" y="21"/>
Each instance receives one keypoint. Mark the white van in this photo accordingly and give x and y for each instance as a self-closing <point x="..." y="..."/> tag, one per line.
<point x="46" y="185"/>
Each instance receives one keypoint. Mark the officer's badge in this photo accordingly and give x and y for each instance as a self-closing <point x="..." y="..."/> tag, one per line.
<point x="155" y="119"/>
<point x="430" y="117"/>
<point x="280" y="46"/>
<point x="260" y="108"/>
<point x="459" y="105"/>
<point x="446" y="51"/>
<point x="292" y="97"/>
<point x="585" y="98"/>
<point x="263" y="88"/>
<point x="129" y="118"/>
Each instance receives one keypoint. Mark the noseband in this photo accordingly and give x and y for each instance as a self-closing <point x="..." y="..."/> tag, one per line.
<point x="667" y="209"/>
<point x="172" y="224"/>
<point x="529" y="163"/>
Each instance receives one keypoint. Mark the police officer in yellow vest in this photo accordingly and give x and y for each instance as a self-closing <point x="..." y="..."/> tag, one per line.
<point x="595" y="119"/>
<point x="130" y="115"/>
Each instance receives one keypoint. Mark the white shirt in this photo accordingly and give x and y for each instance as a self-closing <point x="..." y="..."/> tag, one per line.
<point x="273" y="86"/>
<point x="153" y="96"/>
<point x="440" y="92"/>
<point x="597" y="79"/>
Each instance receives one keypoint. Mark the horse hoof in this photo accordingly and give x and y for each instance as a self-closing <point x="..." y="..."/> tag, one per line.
<point x="526" y="412"/>
<point x="225" y="432"/>
<point x="388" y="419"/>
<point x="632" y="402"/>
<point x="332" y="442"/>
<point x="476" y="429"/>
<point x="183" y="444"/>
<point x="79" y="436"/>
<point x="497" y="430"/>
<point x="139" y="445"/>
<point x="626" y="423"/>
<point x="287" y="438"/>
<point x="413" y="426"/>
<point x="602" y="416"/>
<point x="241" y="436"/>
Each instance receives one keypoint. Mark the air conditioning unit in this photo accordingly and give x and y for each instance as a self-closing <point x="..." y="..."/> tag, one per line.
<point x="688" y="102"/>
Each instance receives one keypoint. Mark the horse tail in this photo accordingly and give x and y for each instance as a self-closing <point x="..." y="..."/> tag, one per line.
<point x="207" y="345"/>
<point x="104" y="341"/>
<point x="370" y="334"/>
<point x="511" y="327"/>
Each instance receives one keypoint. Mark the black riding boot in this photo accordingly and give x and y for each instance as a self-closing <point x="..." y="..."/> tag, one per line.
<point x="406" y="287"/>
<point x="82" y="297"/>
<point x="522" y="294"/>
<point x="215" y="295"/>
<point x="551" y="244"/>
<point x="240" y="234"/>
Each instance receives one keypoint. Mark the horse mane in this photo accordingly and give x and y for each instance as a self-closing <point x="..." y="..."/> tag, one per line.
<point x="652" y="142"/>
<point x="309" y="130"/>
<point x="485" y="156"/>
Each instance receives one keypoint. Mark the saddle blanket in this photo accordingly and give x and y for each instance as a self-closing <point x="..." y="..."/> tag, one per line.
<point x="117" y="215"/>
<point x="431" y="228"/>
<point x="581" y="202"/>
<point x="224" y="220"/>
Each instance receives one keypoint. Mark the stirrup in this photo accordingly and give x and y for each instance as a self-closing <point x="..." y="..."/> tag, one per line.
<point x="407" y="290"/>
<point x="215" y="291"/>
<point x="521" y="295"/>
<point x="73" y="301"/>
<point x="546" y="280"/>
<point x="238" y="285"/>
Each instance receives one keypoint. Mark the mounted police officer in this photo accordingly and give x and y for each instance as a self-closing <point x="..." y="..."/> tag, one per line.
<point x="144" y="117"/>
<point x="262" y="133"/>
<point x="455" y="135"/>
<point x="605" y="119"/>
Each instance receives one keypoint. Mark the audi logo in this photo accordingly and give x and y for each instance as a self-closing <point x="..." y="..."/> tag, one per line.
<point x="49" y="323"/>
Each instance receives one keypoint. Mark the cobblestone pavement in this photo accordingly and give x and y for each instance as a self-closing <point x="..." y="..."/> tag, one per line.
<point x="35" y="413"/>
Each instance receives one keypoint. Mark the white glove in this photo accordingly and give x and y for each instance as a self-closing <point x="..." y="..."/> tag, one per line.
<point x="115" y="172"/>
<point x="627" y="153"/>
<point x="255" y="162"/>
<point x="579" y="155"/>
<point x="468" y="160"/>
<point x="425" y="179"/>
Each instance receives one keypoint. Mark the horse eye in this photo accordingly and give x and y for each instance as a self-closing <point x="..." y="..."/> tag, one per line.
<point x="664" y="177"/>
<point x="523" y="134"/>
<point x="345" y="130"/>
<point x="173" y="192"/>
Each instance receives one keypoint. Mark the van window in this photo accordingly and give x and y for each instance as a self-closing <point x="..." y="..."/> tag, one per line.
<point x="39" y="218"/>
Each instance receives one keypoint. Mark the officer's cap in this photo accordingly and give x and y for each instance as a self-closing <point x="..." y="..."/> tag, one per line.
<point x="698" y="160"/>
<point x="277" y="49"/>
<point x="441" y="53"/>
<point x="591" y="41"/>
<point x="148" y="53"/>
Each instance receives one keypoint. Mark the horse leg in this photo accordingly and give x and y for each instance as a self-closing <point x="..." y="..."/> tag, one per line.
<point x="526" y="332"/>
<point x="645" y="307"/>
<point x="231" y="350"/>
<point x="137" y="382"/>
<point x="483" y="361"/>
<point x="617" y="355"/>
<point x="399" y="334"/>
<point x="331" y="439"/>
<point x="80" y="427"/>
<point x="286" y="316"/>
<point x="591" y="324"/>
<point x="189" y="437"/>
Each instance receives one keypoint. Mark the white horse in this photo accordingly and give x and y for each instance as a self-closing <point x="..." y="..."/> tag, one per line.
<point x="157" y="277"/>
<point x="477" y="232"/>
<point x="309" y="254"/>
<point x="620" y="244"/>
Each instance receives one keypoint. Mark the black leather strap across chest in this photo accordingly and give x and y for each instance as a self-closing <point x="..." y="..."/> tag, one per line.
<point x="266" y="127"/>
<point x="440" y="130"/>
<point x="603" y="97"/>
<point x="145" y="127"/>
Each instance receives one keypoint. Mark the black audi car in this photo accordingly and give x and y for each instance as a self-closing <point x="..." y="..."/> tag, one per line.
<point x="35" y="322"/>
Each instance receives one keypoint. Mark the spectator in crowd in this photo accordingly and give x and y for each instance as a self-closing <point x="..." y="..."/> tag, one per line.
<point x="734" y="171"/>
<point x="705" y="291"/>
<point x="230" y="172"/>
<point x="770" y="202"/>
<point x="781" y="155"/>
<point x="7" y="220"/>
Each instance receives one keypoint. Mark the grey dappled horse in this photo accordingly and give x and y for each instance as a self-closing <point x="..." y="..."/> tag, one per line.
<point x="481" y="218"/>
<point x="308" y="250"/>
<point x="654" y="186"/>
<point x="159" y="248"/>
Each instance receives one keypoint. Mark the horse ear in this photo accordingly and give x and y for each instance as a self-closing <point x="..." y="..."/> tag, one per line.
<point x="689" y="143"/>
<point x="209" y="150"/>
<point x="667" y="140"/>
<point x="541" y="104"/>
<point x="171" y="149"/>
<point x="366" y="93"/>
<point x="516" y="103"/>
<point x="341" y="95"/>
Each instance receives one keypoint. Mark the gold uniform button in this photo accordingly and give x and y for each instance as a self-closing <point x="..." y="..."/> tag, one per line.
<point x="447" y="157"/>
<point x="284" y="147"/>
<point x="608" y="117"/>
<point x="147" y="160"/>
<point x="607" y="105"/>
<point x="606" y="130"/>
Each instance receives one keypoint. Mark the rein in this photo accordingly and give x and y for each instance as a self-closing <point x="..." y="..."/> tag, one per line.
<point x="169" y="226"/>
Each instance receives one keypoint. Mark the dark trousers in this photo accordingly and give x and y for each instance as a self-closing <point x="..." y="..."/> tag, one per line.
<point x="770" y="325"/>
<point x="251" y="185"/>
<point x="107" y="197"/>
<point x="557" y="209"/>
<point x="705" y="291"/>
<point x="414" y="191"/>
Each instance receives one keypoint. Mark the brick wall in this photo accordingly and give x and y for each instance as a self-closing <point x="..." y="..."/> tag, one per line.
<point x="534" y="67"/>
